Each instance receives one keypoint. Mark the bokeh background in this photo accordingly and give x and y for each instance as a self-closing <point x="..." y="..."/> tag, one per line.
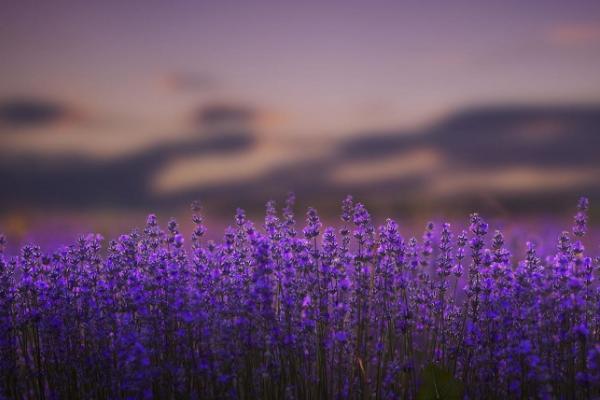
<point x="112" y="109"/>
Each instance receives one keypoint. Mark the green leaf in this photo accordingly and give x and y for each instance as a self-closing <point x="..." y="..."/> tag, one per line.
<point x="439" y="384"/>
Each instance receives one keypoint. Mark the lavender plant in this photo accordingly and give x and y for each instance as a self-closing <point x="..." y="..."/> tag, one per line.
<point x="278" y="312"/>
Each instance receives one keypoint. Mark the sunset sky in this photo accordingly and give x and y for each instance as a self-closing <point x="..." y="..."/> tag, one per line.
<point x="311" y="67"/>
<point x="105" y="79"/>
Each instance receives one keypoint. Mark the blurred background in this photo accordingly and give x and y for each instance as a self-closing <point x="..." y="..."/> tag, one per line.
<point x="112" y="109"/>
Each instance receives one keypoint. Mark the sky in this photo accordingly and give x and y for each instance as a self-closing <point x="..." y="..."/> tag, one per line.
<point x="107" y="79"/>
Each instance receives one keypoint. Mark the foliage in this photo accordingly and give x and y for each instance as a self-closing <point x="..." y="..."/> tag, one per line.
<point x="439" y="384"/>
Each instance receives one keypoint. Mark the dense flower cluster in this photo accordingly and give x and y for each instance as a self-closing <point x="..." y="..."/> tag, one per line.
<point x="279" y="312"/>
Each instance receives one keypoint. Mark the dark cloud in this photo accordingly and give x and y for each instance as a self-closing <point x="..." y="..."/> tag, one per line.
<point x="506" y="135"/>
<point x="31" y="112"/>
<point x="78" y="182"/>
<point x="496" y="136"/>
<point x="480" y="142"/>
<point x="224" y="115"/>
<point x="373" y="145"/>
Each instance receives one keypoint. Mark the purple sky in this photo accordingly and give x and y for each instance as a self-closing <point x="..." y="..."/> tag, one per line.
<point x="88" y="80"/>
<point x="133" y="72"/>
<point x="321" y="67"/>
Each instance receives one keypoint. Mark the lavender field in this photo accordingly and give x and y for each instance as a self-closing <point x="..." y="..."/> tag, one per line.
<point x="284" y="310"/>
<point x="424" y="238"/>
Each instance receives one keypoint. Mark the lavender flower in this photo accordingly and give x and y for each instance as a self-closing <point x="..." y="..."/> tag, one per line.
<point x="350" y="313"/>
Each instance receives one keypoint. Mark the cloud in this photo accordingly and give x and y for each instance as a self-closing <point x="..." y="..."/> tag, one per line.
<point x="514" y="179"/>
<point x="575" y="34"/>
<point x="414" y="163"/>
<point x="504" y="152"/>
<point x="218" y="170"/>
<point x="32" y="113"/>
<point x="374" y="145"/>
<point x="224" y="115"/>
